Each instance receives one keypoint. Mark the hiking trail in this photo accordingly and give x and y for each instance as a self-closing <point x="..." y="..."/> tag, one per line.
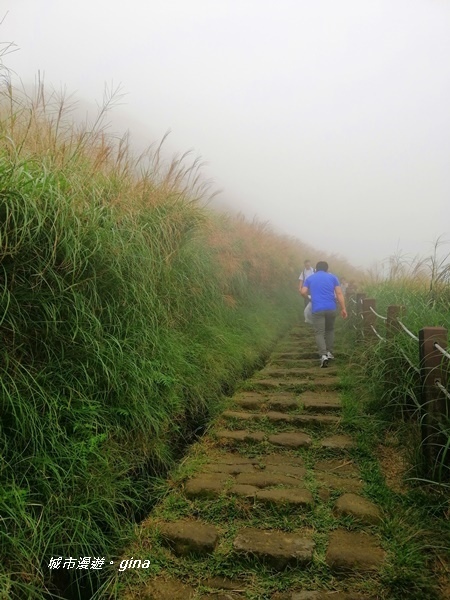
<point x="270" y="503"/>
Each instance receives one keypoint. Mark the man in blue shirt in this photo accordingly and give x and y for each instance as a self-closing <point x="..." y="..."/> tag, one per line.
<point x="325" y="292"/>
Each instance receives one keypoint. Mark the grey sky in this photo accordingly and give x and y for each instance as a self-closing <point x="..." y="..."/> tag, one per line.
<point x="330" y="120"/>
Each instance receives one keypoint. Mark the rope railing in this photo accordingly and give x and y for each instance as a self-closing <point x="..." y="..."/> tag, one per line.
<point x="406" y="330"/>
<point x="377" y="334"/>
<point x="441" y="350"/>
<point x="377" y="315"/>
<point x="409" y="361"/>
<point x="444" y="390"/>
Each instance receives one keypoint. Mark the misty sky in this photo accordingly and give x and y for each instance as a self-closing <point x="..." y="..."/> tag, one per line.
<point x="328" y="119"/>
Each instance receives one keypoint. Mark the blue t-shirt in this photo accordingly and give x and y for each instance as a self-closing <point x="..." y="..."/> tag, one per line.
<point x="321" y="289"/>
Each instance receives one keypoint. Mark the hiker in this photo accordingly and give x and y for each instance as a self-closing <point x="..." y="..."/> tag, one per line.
<point x="344" y="286"/>
<point x="324" y="289"/>
<point x="307" y="271"/>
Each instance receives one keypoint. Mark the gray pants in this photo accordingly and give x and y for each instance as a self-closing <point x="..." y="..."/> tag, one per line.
<point x="323" y="323"/>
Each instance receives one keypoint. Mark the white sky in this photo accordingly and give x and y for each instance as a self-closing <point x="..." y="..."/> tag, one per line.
<point x="328" y="119"/>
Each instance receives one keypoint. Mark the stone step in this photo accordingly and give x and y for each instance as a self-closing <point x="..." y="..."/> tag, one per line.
<point x="298" y="496"/>
<point x="281" y="417"/>
<point x="267" y="478"/>
<point x="293" y="363"/>
<point x="291" y="440"/>
<point x="299" y="385"/>
<point x="249" y="400"/>
<point x="277" y="549"/>
<point x="358" y="507"/>
<point x="187" y="537"/>
<point x="288" y="440"/>
<point x="283" y="404"/>
<point x="206" y="485"/>
<point x="241" y="435"/>
<point x="165" y="588"/>
<point x="306" y="595"/>
<point x="320" y="402"/>
<point x="354" y="551"/>
<point x="326" y="401"/>
<point x="289" y="373"/>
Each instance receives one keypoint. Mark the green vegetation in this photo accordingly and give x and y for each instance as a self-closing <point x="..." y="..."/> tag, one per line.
<point x="127" y="309"/>
<point x="391" y="368"/>
<point x="414" y="494"/>
<point x="414" y="530"/>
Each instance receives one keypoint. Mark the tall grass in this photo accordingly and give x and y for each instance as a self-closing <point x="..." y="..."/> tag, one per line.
<point x="422" y="288"/>
<point x="126" y="310"/>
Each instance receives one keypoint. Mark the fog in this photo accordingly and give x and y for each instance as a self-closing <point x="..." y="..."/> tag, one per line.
<point x="329" y="120"/>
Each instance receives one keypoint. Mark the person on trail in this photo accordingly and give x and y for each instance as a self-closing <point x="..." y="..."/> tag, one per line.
<point x="344" y="286"/>
<point x="307" y="271"/>
<point x="325" y="291"/>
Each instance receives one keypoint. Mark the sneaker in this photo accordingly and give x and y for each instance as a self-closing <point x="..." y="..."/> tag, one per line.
<point x="324" y="361"/>
<point x="330" y="356"/>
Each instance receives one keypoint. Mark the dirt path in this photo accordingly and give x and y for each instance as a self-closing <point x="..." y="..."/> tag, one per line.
<point x="270" y="504"/>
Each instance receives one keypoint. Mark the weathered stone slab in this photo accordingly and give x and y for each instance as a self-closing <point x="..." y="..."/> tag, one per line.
<point x="286" y="469"/>
<point x="277" y="548"/>
<point x="319" y="596"/>
<point x="337" y="442"/>
<point x="207" y="485"/>
<point x="338" y="466"/>
<point x="240" y="489"/>
<point x="224" y="596"/>
<point x="325" y="402"/>
<point x="283" y="459"/>
<point x="231" y="469"/>
<point x="269" y="384"/>
<point x="336" y="482"/>
<point x="245" y="395"/>
<point x="316" y="420"/>
<point x="279" y="417"/>
<point x="233" y="458"/>
<point x="325" y="382"/>
<point x="166" y="589"/>
<point x="299" y="385"/>
<point x="296" y="496"/>
<point x="354" y="551"/>
<point x="186" y="537"/>
<point x="287" y="373"/>
<point x="241" y="416"/>
<point x="266" y="479"/>
<point x="291" y="440"/>
<point x="356" y="506"/>
<point x="313" y="420"/>
<point x="316" y="372"/>
<point x="293" y="362"/>
<point x="225" y="583"/>
<point x="283" y="404"/>
<point x="241" y="435"/>
<point x="250" y="400"/>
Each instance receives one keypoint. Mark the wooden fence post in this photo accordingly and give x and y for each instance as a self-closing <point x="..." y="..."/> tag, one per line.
<point x="394" y="313"/>
<point x="369" y="318"/>
<point x="434" y="402"/>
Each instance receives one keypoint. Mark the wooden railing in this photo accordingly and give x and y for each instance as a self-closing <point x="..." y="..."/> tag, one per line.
<point x="431" y="368"/>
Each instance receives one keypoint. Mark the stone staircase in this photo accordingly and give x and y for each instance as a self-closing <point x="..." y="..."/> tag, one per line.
<point x="271" y="504"/>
